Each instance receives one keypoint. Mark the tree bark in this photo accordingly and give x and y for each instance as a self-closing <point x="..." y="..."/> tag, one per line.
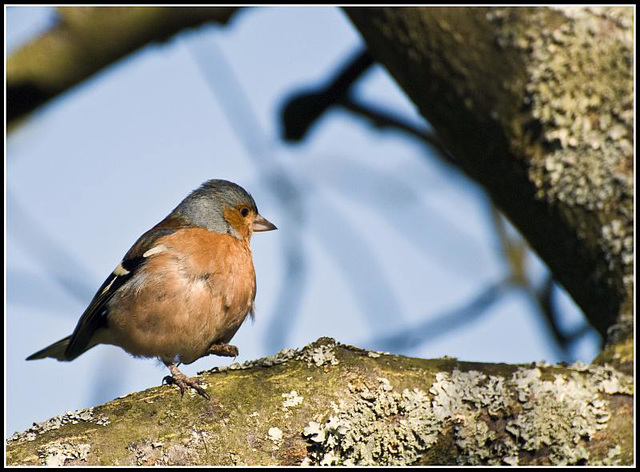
<point x="537" y="106"/>
<point x="330" y="403"/>
<point x="86" y="39"/>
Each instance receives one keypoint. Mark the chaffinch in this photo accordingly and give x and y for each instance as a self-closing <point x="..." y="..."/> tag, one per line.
<point x="183" y="289"/>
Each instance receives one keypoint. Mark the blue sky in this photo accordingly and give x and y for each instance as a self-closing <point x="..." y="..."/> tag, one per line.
<point x="384" y="235"/>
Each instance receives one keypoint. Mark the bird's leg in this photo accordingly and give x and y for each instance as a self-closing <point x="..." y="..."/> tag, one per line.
<point x="222" y="349"/>
<point x="182" y="381"/>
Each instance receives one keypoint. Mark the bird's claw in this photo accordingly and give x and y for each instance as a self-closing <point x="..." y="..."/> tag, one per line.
<point x="222" y="349"/>
<point x="183" y="382"/>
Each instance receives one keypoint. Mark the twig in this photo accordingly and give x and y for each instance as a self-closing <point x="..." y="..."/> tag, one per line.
<point x="303" y="109"/>
<point x="385" y="119"/>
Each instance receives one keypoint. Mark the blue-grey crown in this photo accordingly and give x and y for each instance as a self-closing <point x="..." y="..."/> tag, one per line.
<point x="205" y="206"/>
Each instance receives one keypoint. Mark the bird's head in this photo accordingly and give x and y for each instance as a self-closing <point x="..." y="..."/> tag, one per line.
<point x="223" y="207"/>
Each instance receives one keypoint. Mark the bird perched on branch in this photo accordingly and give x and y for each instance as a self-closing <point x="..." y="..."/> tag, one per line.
<point x="183" y="289"/>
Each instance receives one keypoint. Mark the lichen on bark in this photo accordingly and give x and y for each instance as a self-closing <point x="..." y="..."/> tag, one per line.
<point x="536" y="104"/>
<point x="330" y="403"/>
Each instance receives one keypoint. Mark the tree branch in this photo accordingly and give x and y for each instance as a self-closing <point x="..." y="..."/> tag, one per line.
<point x="537" y="104"/>
<point x="335" y="404"/>
<point x="303" y="109"/>
<point x="382" y="118"/>
<point x="84" y="41"/>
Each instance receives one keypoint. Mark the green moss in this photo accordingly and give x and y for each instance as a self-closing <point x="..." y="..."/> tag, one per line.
<point x="351" y="409"/>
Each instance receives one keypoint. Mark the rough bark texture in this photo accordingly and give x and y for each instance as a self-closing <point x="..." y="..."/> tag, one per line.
<point x="86" y="39"/>
<point x="537" y="105"/>
<point x="335" y="404"/>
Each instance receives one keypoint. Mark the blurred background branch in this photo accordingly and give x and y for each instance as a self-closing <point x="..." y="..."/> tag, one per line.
<point x="300" y="112"/>
<point x="83" y="40"/>
<point x="516" y="253"/>
<point x="476" y="75"/>
<point x="302" y="109"/>
<point x="56" y="259"/>
<point x="434" y="326"/>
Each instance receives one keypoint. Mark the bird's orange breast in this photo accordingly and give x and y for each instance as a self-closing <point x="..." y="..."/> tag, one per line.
<point x="194" y="291"/>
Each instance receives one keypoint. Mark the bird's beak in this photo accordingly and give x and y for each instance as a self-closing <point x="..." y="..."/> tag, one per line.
<point x="262" y="224"/>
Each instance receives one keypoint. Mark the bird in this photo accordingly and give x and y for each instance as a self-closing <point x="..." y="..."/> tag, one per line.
<point x="183" y="289"/>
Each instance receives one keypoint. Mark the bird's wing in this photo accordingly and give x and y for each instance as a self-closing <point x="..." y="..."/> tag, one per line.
<point x="95" y="316"/>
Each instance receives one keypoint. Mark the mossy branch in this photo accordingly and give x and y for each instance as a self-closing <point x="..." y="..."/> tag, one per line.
<point x="84" y="40"/>
<point x="336" y="404"/>
<point x="536" y="104"/>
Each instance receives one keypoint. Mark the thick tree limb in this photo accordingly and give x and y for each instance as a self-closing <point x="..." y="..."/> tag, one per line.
<point x="85" y="40"/>
<point x="335" y="404"/>
<point x="537" y="104"/>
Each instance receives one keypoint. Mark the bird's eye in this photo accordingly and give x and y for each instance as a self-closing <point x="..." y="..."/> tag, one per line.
<point x="244" y="212"/>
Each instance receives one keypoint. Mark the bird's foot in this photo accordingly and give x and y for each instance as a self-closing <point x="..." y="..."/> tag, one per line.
<point x="222" y="349"/>
<point x="183" y="382"/>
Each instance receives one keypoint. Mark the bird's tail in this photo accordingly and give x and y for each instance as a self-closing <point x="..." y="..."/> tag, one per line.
<point x="55" y="351"/>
